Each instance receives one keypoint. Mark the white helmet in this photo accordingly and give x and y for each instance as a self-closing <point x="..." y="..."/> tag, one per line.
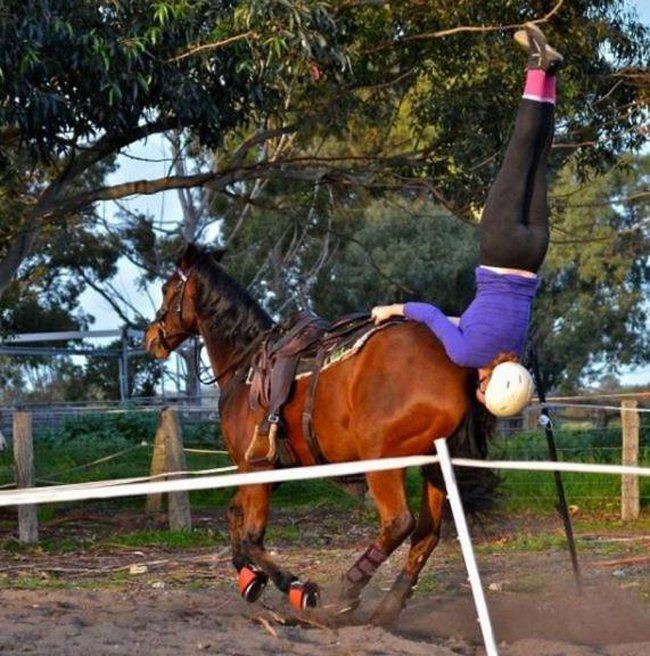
<point x="509" y="390"/>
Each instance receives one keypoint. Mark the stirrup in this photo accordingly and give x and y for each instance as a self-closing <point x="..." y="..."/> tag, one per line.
<point x="263" y="449"/>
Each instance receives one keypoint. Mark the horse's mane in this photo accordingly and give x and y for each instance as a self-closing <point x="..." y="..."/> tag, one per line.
<point x="225" y="307"/>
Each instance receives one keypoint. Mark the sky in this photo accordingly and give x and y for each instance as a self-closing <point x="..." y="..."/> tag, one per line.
<point x="163" y="206"/>
<point x="166" y="206"/>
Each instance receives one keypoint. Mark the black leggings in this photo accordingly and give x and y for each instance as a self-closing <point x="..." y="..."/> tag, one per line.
<point x="514" y="227"/>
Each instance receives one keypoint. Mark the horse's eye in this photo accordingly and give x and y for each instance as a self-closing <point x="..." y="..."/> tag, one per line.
<point x="165" y="287"/>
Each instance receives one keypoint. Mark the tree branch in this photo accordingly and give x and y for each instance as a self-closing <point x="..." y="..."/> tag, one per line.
<point x="17" y="252"/>
<point x="372" y="261"/>
<point x="211" y="46"/>
<point x="190" y="214"/>
<point x="352" y="4"/>
<point x="108" y="298"/>
<point x="258" y="138"/>
<point x="298" y="168"/>
<point x="286" y="141"/>
<point x="112" y="142"/>
<point x="461" y="29"/>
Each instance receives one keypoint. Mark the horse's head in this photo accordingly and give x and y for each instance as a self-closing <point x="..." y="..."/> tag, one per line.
<point x="176" y="319"/>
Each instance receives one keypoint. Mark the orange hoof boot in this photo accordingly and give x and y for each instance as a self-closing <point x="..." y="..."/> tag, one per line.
<point x="304" y="595"/>
<point x="252" y="582"/>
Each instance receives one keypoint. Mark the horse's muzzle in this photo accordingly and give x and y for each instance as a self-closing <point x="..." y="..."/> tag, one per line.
<point x="154" y="345"/>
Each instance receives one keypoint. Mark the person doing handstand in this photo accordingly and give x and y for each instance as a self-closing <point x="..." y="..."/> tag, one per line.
<point x="514" y="238"/>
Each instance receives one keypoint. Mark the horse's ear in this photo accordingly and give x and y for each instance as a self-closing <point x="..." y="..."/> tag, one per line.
<point x="218" y="253"/>
<point x="188" y="257"/>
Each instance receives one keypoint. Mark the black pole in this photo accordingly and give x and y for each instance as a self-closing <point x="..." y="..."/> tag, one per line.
<point x="561" y="507"/>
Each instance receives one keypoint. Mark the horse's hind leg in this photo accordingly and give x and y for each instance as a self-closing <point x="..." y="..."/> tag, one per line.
<point x="387" y="489"/>
<point x="423" y="541"/>
<point x="249" y="555"/>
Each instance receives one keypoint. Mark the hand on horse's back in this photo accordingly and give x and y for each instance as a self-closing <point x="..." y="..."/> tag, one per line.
<point x="381" y="313"/>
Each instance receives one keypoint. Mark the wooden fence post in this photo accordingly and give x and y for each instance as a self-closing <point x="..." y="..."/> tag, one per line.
<point x="158" y="466"/>
<point x="24" y="472"/>
<point x="531" y="418"/>
<point x="180" y="517"/>
<point x="630" y="482"/>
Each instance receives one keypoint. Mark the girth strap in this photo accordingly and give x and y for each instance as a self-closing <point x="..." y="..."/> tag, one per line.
<point x="308" y="409"/>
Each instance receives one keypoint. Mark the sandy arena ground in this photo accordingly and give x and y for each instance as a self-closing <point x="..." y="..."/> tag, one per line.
<point x="156" y="601"/>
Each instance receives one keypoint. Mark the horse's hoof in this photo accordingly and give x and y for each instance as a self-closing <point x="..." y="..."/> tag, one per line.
<point x="341" y="612"/>
<point x="304" y="595"/>
<point x="387" y="613"/>
<point x="252" y="582"/>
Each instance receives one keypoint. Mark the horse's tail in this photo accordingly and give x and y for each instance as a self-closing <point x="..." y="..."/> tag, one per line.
<point x="479" y="488"/>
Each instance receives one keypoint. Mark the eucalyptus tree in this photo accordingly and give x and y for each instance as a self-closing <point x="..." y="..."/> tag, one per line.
<point x="591" y="316"/>
<point x="300" y="93"/>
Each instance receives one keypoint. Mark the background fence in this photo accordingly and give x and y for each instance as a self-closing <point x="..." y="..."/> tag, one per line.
<point x="78" y="443"/>
<point x="49" y="417"/>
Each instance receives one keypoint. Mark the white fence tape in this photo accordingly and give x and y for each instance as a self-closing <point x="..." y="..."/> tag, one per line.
<point x="534" y="465"/>
<point x="109" y="489"/>
<point x="53" y="494"/>
<point x="618" y="408"/>
<point x="139" y="479"/>
<point x="205" y="451"/>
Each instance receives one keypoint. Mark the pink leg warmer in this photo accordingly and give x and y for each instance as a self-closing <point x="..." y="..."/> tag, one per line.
<point x="540" y="87"/>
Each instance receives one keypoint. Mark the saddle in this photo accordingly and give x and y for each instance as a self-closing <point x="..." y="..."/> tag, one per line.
<point x="300" y="345"/>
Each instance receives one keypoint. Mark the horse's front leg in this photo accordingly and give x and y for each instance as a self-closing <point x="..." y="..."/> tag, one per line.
<point x="253" y="562"/>
<point x="387" y="489"/>
<point x="423" y="542"/>
<point x="252" y="580"/>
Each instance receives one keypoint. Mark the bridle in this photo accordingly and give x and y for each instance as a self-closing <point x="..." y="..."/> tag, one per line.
<point x="161" y="315"/>
<point x="176" y="305"/>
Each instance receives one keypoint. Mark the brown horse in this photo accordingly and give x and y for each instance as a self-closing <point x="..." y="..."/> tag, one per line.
<point x="393" y="398"/>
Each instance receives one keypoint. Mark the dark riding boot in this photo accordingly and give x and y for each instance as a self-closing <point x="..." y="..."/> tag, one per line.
<point x="541" y="54"/>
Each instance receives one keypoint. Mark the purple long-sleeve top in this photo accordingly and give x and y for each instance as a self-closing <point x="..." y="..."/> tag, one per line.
<point x="495" y="322"/>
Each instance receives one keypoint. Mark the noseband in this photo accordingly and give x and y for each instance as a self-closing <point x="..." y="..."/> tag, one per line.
<point x="177" y="303"/>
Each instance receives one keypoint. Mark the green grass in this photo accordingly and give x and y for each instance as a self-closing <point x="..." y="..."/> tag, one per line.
<point x="176" y="540"/>
<point x="283" y="534"/>
<point x="106" y="581"/>
<point x="591" y="493"/>
<point x="429" y="582"/>
<point x="598" y="525"/>
<point x="528" y="543"/>
<point x="173" y="540"/>
<point x="33" y="583"/>
<point x="60" y="454"/>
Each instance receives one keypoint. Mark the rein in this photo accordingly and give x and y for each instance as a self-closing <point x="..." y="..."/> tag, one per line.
<point x="232" y="365"/>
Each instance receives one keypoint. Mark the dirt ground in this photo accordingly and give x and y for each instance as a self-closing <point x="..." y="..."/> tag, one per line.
<point x="112" y="598"/>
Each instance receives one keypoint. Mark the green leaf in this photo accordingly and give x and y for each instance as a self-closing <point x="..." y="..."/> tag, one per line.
<point x="114" y="94"/>
<point x="153" y="35"/>
<point x="278" y="46"/>
<point x="161" y="15"/>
